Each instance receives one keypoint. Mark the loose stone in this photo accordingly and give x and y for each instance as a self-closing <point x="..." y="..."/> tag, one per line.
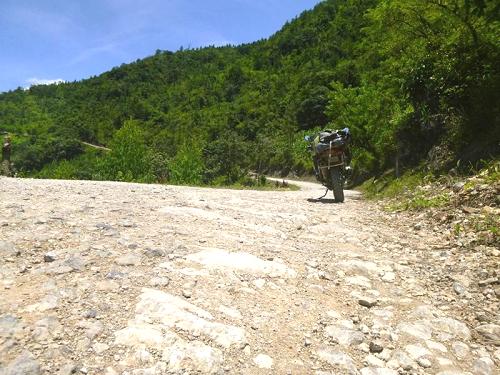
<point x="367" y="302"/>
<point x="376" y="347"/>
<point x="263" y="361"/>
<point x="128" y="260"/>
<point x="458" y="288"/>
<point x="491" y="280"/>
<point x="90" y="314"/>
<point x="49" y="257"/>
<point x="424" y="362"/>
<point x="344" y="336"/>
<point x="490" y="332"/>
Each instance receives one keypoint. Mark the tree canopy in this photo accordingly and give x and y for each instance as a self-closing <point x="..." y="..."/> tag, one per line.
<point x="409" y="77"/>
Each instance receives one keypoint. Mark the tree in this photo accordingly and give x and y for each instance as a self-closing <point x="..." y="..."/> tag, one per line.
<point x="128" y="158"/>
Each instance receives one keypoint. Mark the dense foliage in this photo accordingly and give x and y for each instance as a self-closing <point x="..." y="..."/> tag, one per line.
<point x="414" y="79"/>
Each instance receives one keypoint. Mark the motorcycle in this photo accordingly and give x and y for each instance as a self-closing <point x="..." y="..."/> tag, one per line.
<point x="329" y="153"/>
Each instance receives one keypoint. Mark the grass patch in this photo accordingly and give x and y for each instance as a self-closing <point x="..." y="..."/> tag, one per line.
<point x="487" y="226"/>
<point x="491" y="174"/>
<point x="388" y="186"/>
<point x="420" y="201"/>
<point x="406" y="193"/>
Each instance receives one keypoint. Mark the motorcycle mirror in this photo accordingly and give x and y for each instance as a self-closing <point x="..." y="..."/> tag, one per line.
<point x="307" y="138"/>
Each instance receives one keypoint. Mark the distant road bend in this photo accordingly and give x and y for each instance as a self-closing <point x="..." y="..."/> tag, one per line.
<point x="95" y="146"/>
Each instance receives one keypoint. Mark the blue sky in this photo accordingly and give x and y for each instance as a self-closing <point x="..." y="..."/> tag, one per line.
<point x="46" y="40"/>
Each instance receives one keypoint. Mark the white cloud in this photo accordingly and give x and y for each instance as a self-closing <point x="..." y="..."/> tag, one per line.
<point x="41" y="81"/>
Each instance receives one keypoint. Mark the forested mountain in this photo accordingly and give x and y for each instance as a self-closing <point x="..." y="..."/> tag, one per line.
<point x="413" y="79"/>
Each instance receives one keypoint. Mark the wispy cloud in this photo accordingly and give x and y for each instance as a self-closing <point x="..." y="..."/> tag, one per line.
<point x="43" y="22"/>
<point x="43" y="81"/>
<point x="93" y="51"/>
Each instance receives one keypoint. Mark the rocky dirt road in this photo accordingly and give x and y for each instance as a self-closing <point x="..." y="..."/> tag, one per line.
<point x="114" y="278"/>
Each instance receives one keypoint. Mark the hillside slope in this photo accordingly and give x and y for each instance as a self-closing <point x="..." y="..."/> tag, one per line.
<point x="408" y="77"/>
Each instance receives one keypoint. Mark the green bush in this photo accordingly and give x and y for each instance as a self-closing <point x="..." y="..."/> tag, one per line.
<point x="226" y="159"/>
<point x="186" y="168"/>
<point x="129" y="158"/>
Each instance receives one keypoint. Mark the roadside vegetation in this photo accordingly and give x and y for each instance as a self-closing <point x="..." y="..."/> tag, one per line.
<point x="466" y="204"/>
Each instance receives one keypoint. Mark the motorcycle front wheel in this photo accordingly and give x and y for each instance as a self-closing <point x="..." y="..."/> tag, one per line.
<point x="337" y="184"/>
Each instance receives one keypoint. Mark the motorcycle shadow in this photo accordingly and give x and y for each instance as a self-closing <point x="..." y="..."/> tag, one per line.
<point x="323" y="200"/>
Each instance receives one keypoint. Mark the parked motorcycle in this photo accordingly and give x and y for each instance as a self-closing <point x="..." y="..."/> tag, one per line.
<point x="329" y="152"/>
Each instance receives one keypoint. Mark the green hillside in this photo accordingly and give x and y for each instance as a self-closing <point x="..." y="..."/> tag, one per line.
<point x="416" y="80"/>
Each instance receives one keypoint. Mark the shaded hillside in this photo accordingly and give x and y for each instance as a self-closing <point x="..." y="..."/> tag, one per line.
<point x="408" y="77"/>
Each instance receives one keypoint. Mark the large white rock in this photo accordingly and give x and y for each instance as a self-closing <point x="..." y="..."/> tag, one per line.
<point x="158" y="314"/>
<point x="174" y="312"/>
<point x="240" y="262"/>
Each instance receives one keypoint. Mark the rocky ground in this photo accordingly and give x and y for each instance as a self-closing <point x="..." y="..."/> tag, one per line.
<point x="114" y="278"/>
<point x="466" y="208"/>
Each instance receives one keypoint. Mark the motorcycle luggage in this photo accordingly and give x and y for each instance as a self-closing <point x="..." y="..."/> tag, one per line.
<point x="321" y="147"/>
<point x="338" y="142"/>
